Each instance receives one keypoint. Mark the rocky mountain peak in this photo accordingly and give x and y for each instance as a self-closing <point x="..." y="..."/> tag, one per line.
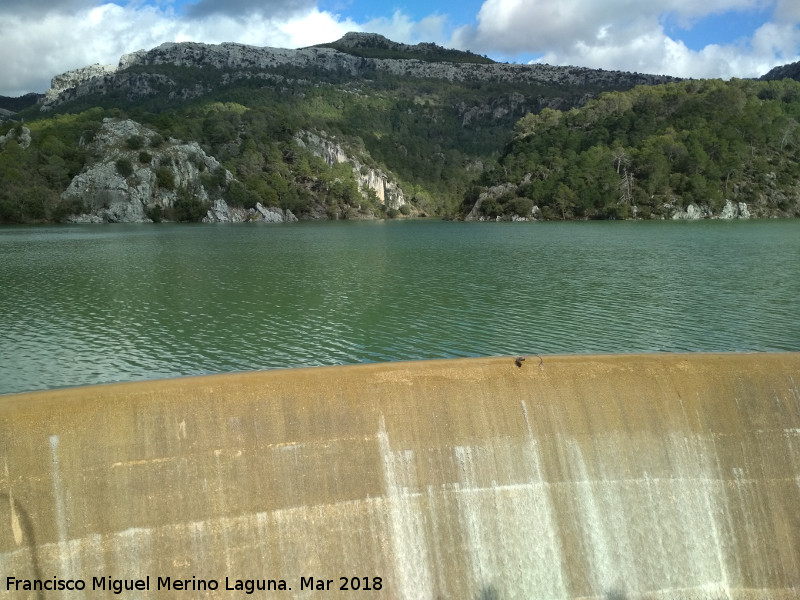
<point x="76" y="77"/>
<point x="376" y="46"/>
<point x="354" y="55"/>
<point x="790" y="71"/>
<point x="358" y="39"/>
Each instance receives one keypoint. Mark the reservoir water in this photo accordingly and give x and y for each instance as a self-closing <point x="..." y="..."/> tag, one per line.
<point x="91" y="304"/>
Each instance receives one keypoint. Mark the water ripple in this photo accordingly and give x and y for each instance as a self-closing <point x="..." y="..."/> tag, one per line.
<point x="81" y="305"/>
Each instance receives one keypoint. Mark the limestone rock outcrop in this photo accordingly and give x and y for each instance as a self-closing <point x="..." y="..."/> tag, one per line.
<point x="240" y="56"/>
<point x="737" y="210"/>
<point x="74" y="83"/>
<point x="22" y="135"/>
<point x="693" y="212"/>
<point x="238" y="61"/>
<point x="272" y="214"/>
<point x="126" y="183"/>
<point x="131" y="185"/>
<point x="389" y="193"/>
<point x="133" y="85"/>
<point x="220" y="212"/>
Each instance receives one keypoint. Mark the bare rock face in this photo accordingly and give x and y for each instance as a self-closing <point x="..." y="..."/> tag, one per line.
<point x="232" y="56"/>
<point x="22" y="137"/>
<point x="273" y="214"/>
<point x="692" y="213"/>
<point x="383" y="184"/>
<point x="67" y="85"/>
<point x="243" y="61"/>
<point x="126" y="181"/>
<point x="734" y="210"/>
<point x="220" y="212"/>
<point x="70" y="79"/>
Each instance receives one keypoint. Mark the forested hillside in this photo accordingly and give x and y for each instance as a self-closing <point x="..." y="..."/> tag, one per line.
<point x="432" y="136"/>
<point x="653" y="152"/>
<point x="368" y="128"/>
<point x="423" y="119"/>
<point x="20" y="103"/>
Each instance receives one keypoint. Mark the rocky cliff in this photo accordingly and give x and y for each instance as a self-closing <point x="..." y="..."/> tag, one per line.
<point x="239" y="56"/>
<point x="133" y="177"/>
<point x="62" y="86"/>
<point x="139" y="177"/>
<point x="242" y="60"/>
<point x="21" y="134"/>
<point x="378" y="181"/>
<point x="692" y="212"/>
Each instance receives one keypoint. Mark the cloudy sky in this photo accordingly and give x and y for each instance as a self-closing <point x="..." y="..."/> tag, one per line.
<point x="690" y="38"/>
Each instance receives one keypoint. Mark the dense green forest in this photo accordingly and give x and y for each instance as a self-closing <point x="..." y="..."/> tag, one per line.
<point x="256" y="145"/>
<point x="416" y="129"/>
<point x="645" y="152"/>
<point x="652" y="150"/>
<point x="19" y="103"/>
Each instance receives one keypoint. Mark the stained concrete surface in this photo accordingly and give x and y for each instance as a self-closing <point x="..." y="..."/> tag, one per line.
<point x="609" y="477"/>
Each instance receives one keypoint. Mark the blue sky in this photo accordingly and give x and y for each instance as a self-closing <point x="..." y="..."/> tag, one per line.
<point x="712" y="38"/>
<point x="725" y="28"/>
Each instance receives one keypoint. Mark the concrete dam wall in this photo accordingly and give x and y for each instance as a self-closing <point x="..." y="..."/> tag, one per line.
<point x="609" y="477"/>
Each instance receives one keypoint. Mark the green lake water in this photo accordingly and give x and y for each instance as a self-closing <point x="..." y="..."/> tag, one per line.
<point x="91" y="304"/>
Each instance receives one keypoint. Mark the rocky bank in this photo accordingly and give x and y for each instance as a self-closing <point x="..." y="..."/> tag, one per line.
<point x="692" y="212"/>
<point x="140" y="177"/>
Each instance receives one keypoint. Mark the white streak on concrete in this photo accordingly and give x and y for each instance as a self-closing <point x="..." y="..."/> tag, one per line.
<point x="410" y="550"/>
<point x="58" y="493"/>
<point x="16" y="529"/>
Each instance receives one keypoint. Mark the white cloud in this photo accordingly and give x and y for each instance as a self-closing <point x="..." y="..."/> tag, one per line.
<point x="242" y="8"/>
<point x="781" y="40"/>
<point x="788" y="11"/>
<point x="655" y="52"/>
<point x="629" y="35"/>
<point x="59" y="42"/>
<point x="613" y="34"/>
<point x="313" y="28"/>
<point x="513" y="26"/>
<point x="401" y="28"/>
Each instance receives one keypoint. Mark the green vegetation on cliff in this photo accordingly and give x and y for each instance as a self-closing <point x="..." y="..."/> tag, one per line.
<point x="33" y="177"/>
<point x="432" y="135"/>
<point x="377" y="46"/>
<point x="647" y="151"/>
<point x="651" y="151"/>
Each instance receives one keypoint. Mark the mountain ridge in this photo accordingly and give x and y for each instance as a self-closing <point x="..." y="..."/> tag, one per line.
<point x="789" y="70"/>
<point x="330" y="59"/>
<point x="357" y="44"/>
<point x="372" y="128"/>
<point x="374" y="45"/>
